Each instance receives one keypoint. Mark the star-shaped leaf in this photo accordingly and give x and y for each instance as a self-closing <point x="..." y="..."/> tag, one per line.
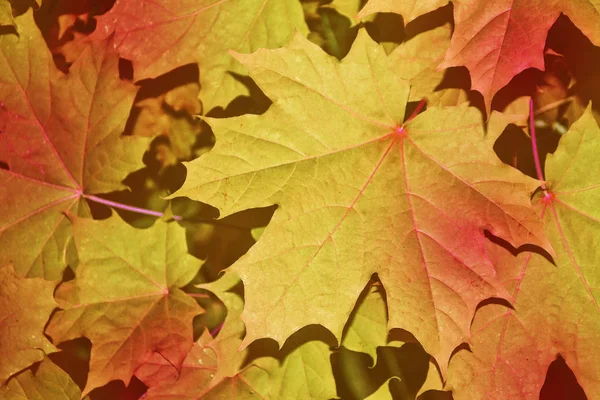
<point x="126" y="297"/>
<point x="556" y="304"/>
<point x="158" y="36"/>
<point x="60" y="139"/>
<point x="359" y="192"/>
<point x="25" y="306"/>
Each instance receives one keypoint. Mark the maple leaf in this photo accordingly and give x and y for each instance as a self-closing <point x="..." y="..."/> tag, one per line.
<point x="496" y="41"/>
<point x="216" y="369"/>
<point x="213" y="367"/>
<point x="556" y="304"/>
<point x="226" y="345"/>
<point x="126" y="297"/>
<point x="360" y="193"/>
<point x="416" y="61"/>
<point x="61" y="142"/>
<point x="409" y="9"/>
<point x="158" y="36"/>
<point x="48" y="382"/>
<point x="25" y="306"/>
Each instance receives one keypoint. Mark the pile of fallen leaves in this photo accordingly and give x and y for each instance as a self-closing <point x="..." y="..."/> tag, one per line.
<point x="286" y="199"/>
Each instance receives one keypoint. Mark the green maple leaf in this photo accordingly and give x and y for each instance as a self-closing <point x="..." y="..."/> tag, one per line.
<point x="498" y="40"/>
<point x="216" y="369"/>
<point x="360" y="193"/>
<point x="556" y="304"/>
<point x="60" y="141"/>
<point x="25" y="306"/>
<point x="162" y="35"/>
<point x="48" y="382"/>
<point x="126" y="297"/>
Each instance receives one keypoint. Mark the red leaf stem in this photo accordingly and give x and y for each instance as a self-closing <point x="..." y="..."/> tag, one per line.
<point x="536" y="157"/>
<point x="126" y="207"/>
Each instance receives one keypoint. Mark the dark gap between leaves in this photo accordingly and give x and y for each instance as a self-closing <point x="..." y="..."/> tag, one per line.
<point x="561" y="383"/>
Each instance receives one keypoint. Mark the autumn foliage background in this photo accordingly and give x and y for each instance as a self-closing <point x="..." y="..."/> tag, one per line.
<point x="299" y="199"/>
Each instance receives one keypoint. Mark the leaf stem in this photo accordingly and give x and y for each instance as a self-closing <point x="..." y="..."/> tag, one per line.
<point x="199" y="295"/>
<point x="416" y="111"/>
<point x="214" y="332"/>
<point x="554" y="104"/>
<point x="126" y="207"/>
<point x="534" y="146"/>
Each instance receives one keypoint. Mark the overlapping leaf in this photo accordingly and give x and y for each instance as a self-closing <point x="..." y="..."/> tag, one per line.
<point x="6" y="17"/>
<point x="367" y="330"/>
<point x="358" y="193"/>
<point x="497" y="40"/>
<point x="409" y="9"/>
<point x="556" y="304"/>
<point x="126" y="297"/>
<point x="158" y="36"/>
<point x="348" y="8"/>
<point x="383" y="393"/>
<point x="216" y="369"/>
<point x="25" y="306"/>
<point x="48" y="382"/>
<point x="60" y="141"/>
<point x="417" y="59"/>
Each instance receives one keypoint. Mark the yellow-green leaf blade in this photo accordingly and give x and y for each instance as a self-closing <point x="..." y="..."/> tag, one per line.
<point x="126" y="297"/>
<point x="48" y="382"/>
<point x="163" y="35"/>
<point x="61" y="138"/>
<point x="25" y="306"/>
<point x="556" y="306"/>
<point x="409" y="9"/>
<point x="359" y="193"/>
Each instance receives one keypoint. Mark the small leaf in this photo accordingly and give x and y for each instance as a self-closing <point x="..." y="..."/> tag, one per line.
<point x="61" y="139"/>
<point x="304" y="372"/>
<point x="126" y="297"/>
